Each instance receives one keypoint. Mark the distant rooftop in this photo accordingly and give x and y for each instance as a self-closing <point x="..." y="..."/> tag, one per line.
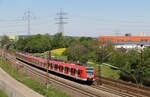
<point x="124" y="38"/>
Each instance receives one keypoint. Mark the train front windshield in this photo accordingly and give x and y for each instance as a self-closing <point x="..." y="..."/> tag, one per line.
<point x="89" y="71"/>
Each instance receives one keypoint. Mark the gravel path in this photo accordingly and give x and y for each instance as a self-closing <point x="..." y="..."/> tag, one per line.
<point x="13" y="88"/>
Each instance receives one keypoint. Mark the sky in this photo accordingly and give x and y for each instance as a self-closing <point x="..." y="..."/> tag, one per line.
<point x="85" y="17"/>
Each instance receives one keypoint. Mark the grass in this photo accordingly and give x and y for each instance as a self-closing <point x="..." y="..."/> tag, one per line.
<point x="2" y="94"/>
<point x="106" y="71"/>
<point x="50" y="92"/>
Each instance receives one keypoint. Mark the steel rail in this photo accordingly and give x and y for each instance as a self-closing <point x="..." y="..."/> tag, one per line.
<point x="78" y="90"/>
<point x="90" y="94"/>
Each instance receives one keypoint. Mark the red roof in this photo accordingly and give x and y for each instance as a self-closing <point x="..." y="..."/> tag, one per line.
<point x="55" y="62"/>
<point x="124" y="38"/>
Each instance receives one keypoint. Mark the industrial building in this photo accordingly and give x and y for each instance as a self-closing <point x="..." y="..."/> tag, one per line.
<point x="127" y="41"/>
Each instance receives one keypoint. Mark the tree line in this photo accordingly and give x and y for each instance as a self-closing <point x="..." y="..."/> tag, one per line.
<point x="84" y="49"/>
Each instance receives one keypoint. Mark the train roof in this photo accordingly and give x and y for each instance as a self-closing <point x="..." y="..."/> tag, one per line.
<point x="52" y="61"/>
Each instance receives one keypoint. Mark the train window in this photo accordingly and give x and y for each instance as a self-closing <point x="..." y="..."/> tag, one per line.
<point x="89" y="73"/>
<point x="66" y="68"/>
<point x="35" y="60"/>
<point x="50" y="64"/>
<point x="42" y="62"/>
<point x="56" y="66"/>
<point x="74" y="71"/>
<point x="79" y="72"/>
<point x="60" y="67"/>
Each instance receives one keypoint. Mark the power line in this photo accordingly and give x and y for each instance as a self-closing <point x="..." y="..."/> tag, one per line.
<point x="28" y="17"/>
<point x="61" y="19"/>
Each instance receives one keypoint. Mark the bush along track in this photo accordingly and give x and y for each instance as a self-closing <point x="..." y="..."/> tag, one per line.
<point x="50" y="92"/>
<point x="2" y="94"/>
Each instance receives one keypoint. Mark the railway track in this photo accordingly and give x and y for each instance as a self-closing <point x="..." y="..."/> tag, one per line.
<point x="108" y="89"/>
<point x="84" y="91"/>
<point x="126" y="87"/>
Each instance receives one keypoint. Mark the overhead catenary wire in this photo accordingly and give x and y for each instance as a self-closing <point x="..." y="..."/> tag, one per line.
<point x="106" y="22"/>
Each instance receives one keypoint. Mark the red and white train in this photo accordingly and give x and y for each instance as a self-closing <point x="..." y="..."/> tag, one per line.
<point x="82" y="73"/>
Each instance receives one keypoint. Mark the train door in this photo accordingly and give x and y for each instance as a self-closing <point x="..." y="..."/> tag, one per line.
<point x="24" y="58"/>
<point x="61" y="68"/>
<point x="33" y="60"/>
<point x="41" y="63"/>
<point x="51" y="66"/>
<point x="80" y="73"/>
<point x="38" y="62"/>
<point x="66" y="70"/>
<point x="56" y="67"/>
<point x="47" y="65"/>
<point x="28" y="59"/>
<point x="73" y="70"/>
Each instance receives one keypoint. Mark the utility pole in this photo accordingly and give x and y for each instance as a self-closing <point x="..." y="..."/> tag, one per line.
<point x="100" y="59"/>
<point x="48" y="64"/>
<point x="141" y="65"/>
<point x="100" y="70"/>
<point x="28" y="17"/>
<point x="61" y="22"/>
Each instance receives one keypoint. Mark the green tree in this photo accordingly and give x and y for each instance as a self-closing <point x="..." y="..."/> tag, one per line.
<point x="77" y="53"/>
<point x="35" y="43"/>
<point x="5" y="41"/>
<point x="131" y="62"/>
<point x="58" y="40"/>
<point x="103" y="52"/>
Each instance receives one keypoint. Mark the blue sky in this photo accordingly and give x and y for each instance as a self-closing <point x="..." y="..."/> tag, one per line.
<point x="86" y="17"/>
